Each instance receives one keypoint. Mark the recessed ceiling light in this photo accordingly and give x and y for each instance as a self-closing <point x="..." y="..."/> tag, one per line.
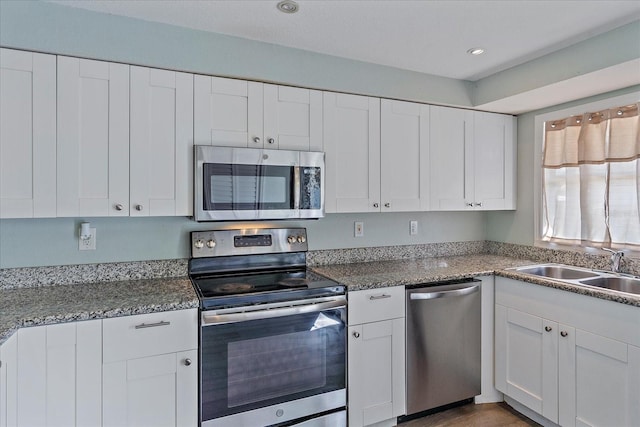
<point x="288" y="6"/>
<point x="475" y="51"/>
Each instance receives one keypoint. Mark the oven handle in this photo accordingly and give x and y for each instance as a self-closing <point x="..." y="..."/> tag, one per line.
<point x="217" y="319"/>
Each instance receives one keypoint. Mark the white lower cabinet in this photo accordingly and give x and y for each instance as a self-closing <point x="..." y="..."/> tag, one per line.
<point x="52" y="376"/>
<point x="150" y="371"/>
<point x="571" y="358"/>
<point x="376" y="360"/>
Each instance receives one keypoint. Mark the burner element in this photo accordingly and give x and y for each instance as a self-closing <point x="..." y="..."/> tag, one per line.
<point x="294" y="282"/>
<point x="233" y="288"/>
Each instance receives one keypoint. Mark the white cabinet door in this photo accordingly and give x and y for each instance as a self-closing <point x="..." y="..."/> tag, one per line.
<point x="8" y="381"/>
<point x="376" y="366"/>
<point x="59" y="375"/>
<point x="494" y="161"/>
<point x="292" y="118"/>
<point x="473" y="160"/>
<point x="161" y="132"/>
<point x="404" y="178"/>
<point x="152" y="391"/>
<point x="599" y="380"/>
<point x="92" y="138"/>
<point x="27" y="134"/>
<point x="227" y="112"/>
<point x="526" y="360"/>
<point x="352" y="150"/>
<point x="451" y="162"/>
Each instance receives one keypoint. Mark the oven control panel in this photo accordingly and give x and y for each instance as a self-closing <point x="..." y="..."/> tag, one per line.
<point x="248" y="241"/>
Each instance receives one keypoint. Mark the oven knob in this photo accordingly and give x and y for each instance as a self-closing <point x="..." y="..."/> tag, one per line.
<point x="199" y="244"/>
<point x="291" y="239"/>
<point x="301" y="239"/>
<point x="211" y="243"/>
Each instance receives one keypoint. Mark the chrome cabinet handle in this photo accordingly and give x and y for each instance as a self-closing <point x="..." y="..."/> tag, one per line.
<point x="152" y="325"/>
<point x="564" y="333"/>
<point x="271" y="140"/>
<point x="187" y="362"/>
<point x="547" y="328"/>
<point x="256" y="140"/>
<point x="478" y="204"/>
<point x="139" y="207"/>
<point x="383" y="296"/>
<point x="119" y="207"/>
<point x="356" y="334"/>
<point x="387" y="205"/>
<point x="375" y="205"/>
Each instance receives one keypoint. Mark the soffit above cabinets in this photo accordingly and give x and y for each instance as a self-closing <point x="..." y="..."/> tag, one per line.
<point x="429" y="37"/>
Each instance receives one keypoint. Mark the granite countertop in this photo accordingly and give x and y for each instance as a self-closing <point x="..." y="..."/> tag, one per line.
<point x="45" y="305"/>
<point x="368" y="275"/>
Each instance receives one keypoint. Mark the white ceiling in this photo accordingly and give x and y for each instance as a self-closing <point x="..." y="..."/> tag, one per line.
<point x="428" y="36"/>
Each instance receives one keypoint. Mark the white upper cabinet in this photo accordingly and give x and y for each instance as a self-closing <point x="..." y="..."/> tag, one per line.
<point x="93" y="138"/>
<point x="292" y="118"/>
<point x="494" y="154"/>
<point x="404" y="180"/>
<point x="227" y="112"/>
<point x="161" y="132"/>
<point x="472" y="160"/>
<point x="239" y="113"/>
<point x="27" y="134"/>
<point x="352" y="153"/>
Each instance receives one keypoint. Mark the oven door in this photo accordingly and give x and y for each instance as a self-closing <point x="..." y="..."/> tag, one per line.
<point x="245" y="184"/>
<point x="265" y="367"/>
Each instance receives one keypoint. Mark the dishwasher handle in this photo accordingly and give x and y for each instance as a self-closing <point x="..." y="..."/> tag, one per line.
<point x="445" y="294"/>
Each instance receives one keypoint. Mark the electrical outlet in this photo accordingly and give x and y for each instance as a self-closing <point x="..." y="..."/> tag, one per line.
<point x="413" y="228"/>
<point x="88" y="244"/>
<point x="358" y="229"/>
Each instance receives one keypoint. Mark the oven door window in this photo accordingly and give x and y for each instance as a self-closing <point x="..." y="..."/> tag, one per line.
<point x="247" y="187"/>
<point x="249" y="365"/>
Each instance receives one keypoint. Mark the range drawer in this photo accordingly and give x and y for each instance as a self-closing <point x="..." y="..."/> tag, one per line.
<point x="131" y="337"/>
<point x="373" y="305"/>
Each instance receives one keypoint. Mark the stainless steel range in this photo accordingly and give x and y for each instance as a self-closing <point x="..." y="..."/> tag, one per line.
<point x="273" y="333"/>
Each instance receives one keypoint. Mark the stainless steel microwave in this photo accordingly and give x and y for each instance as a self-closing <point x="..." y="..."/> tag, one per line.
<point x="255" y="184"/>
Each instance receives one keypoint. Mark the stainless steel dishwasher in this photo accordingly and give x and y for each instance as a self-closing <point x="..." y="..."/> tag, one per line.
<point x="443" y="343"/>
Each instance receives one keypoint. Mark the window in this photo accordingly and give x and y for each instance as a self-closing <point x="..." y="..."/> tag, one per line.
<point x="591" y="179"/>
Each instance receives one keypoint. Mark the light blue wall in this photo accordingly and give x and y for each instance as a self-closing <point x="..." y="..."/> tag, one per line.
<point x="52" y="28"/>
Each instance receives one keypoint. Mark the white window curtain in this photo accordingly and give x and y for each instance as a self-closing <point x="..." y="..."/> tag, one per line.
<point x="591" y="179"/>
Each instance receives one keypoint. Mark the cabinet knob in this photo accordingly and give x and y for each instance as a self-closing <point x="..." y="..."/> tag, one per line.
<point x="139" y="207"/>
<point x="564" y="333"/>
<point x="271" y="140"/>
<point x="376" y="205"/>
<point x="256" y="140"/>
<point x="387" y="205"/>
<point x="547" y="328"/>
<point x="469" y="204"/>
<point x="119" y="207"/>
<point x="187" y="362"/>
<point x="356" y="334"/>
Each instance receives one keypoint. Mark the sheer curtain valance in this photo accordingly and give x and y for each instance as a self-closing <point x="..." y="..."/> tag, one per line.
<point x="591" y="179"/>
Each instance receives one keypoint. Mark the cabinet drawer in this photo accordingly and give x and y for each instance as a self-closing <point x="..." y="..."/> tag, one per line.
<point x="144" y="335"/>
<point x="373" y="305"/>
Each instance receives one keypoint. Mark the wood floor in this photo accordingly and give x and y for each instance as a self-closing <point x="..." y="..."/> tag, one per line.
<point x="471" y="415"/>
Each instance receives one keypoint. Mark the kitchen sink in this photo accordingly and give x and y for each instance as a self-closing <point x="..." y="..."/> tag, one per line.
<point x="557" y="272"/>
<point x="622" y="284"/>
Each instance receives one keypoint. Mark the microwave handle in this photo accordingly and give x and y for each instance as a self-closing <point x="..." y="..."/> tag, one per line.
<point x="296" y="186"/>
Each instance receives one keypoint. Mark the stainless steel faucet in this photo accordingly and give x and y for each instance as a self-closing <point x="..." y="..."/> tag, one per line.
<point x="616" y="259"/>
